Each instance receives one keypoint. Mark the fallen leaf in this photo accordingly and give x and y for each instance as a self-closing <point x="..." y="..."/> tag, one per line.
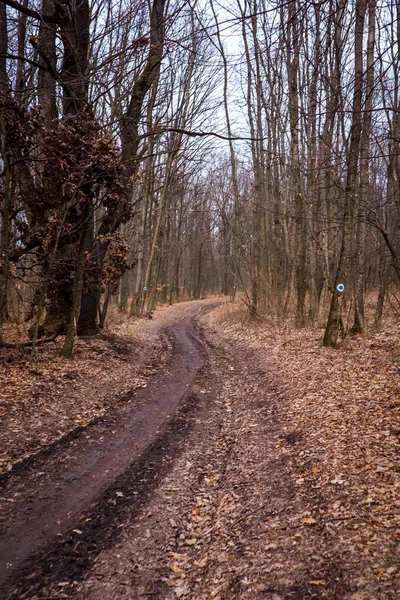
<point x="176" y="568"/>
<point x="309" y="521"/>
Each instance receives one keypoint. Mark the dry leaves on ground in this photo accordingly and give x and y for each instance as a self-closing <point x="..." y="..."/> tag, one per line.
<point x="339" y="427"/>
<point x="40" y="403"/>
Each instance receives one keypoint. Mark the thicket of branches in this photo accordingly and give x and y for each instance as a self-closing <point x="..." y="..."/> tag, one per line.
<point x="320" y="84"/>
<point x="168" y="150"/>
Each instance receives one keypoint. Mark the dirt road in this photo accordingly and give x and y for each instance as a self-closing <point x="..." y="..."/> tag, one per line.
<point x="84" y="473"/>
<point x="226" y="478"/>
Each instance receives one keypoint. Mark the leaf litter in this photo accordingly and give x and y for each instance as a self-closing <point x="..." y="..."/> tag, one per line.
<point x="289" y="486"/>
<point x="40" y="404"/>
<point x="336" y="450"/>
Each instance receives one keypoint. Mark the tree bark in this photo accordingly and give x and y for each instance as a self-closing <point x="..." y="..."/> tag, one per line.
<point x="359" y="259"/>
<point x="131" y="119"/>
<point x="6" y="204"/>
<point x="46" y="47"/>
<point x="67" y="349"/>
<point x="292" y="57"/>
<point x="335" y="324"/>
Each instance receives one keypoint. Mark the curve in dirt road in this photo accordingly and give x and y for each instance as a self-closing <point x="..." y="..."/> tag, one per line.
<point x="45" y="500"/>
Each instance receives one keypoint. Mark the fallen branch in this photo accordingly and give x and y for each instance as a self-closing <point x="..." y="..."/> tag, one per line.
<point x="28" y="344"/>
<point x="251" y="308"/>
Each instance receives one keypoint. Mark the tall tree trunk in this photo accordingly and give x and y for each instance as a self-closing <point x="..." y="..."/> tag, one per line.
<point x="19" y="77"/>
<point x="143" y="207"/>
<point x="89" y="314"/>
<point x="328" y="166"/>
<point x="74" y="31"/>
<point x="292" y="57"/>
<point x="6" y="204"/>
<point x="73" y="21"/>
<point x="131" y="119"/>
<point x="359" y="259"/>
<point x="312" y="176"/>
<point x="46" y="48"/>
<point x="68" y="346"/>
<point x="236" y="233"/>
<point x="335" y="324"/>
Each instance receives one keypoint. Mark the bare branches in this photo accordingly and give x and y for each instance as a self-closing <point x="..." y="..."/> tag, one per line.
<point x="31" y="13"/>
<point x="200" y="134"/>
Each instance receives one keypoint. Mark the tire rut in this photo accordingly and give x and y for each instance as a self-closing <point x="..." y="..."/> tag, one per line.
<point x="97" y="474"/>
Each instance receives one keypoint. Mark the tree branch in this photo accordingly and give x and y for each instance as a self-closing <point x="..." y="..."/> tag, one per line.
<point x="24" y="58"/>
<point x="390" y="246"/>
<point x="28" y="344"/>
<point x="199" y="134"/>
<point x="30" y="12"/>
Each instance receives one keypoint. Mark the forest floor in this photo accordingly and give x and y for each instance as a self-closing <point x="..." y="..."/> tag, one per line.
<point x="278" y="477"/>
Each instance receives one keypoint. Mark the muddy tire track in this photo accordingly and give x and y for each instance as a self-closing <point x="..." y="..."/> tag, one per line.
<point x="61" y="510"/>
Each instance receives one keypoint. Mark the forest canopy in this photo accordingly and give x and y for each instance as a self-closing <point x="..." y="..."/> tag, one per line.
<point x="162" y="150"/>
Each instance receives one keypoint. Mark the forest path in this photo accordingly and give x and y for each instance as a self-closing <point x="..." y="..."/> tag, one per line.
<point x="85" y="473"/>
<point x="263" y="484"/>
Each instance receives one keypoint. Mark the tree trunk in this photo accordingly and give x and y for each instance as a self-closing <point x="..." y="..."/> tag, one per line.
<point x="383" y="285"/>
<point x="131" y="119"/>
<point x="293" y="53"/>
<point x="6" y="205"/>
<point x="46" y="48"/>
<point x="359" y="318"/>
<point x="334" y="324"/>
<point x="67" y="349"/>
<point x="236" y="233"/>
